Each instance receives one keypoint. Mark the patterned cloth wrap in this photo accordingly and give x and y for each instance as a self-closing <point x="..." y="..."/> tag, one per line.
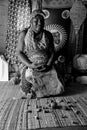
<point x="37" y="51"/>
<point x="44" y="83"/>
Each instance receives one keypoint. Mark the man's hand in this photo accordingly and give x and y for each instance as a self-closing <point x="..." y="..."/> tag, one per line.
<point x="43" y="68"/>
<point x="32" y="66"/>
<point x="35" y="66"/>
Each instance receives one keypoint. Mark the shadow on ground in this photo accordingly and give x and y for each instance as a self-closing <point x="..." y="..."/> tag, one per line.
<point x="75" y="89"/>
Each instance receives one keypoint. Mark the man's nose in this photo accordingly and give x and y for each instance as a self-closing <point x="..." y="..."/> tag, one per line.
<point x="39" y="22"/>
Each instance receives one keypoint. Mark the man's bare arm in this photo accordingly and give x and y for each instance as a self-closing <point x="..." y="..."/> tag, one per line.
<point x="52" y="51"/>
<point x="20" y="50"/>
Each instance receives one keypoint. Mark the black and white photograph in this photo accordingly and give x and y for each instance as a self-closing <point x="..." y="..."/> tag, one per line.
<point x="43" y="64"/>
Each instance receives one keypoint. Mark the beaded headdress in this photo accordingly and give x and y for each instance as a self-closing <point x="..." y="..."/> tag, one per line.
<point x="37" y="10"/>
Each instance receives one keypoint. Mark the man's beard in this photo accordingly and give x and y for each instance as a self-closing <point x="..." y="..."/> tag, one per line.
<point x="37" y="29"/>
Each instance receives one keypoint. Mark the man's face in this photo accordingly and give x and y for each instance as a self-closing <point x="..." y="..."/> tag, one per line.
<point x="37" y="23"/>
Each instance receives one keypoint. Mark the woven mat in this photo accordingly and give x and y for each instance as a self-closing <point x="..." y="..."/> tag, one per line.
<point x="18" y="113"/>
<point x="26" y="114"/>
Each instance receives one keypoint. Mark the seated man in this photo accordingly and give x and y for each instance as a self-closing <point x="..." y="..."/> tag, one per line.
<point x="36" y="50"/>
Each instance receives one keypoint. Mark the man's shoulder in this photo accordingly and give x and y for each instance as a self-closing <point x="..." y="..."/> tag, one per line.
<point x="24" y="30"/>
<point x="48" y="33"/>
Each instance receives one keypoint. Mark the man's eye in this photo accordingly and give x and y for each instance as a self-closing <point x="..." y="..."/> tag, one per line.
<point x="34" y="20"/>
